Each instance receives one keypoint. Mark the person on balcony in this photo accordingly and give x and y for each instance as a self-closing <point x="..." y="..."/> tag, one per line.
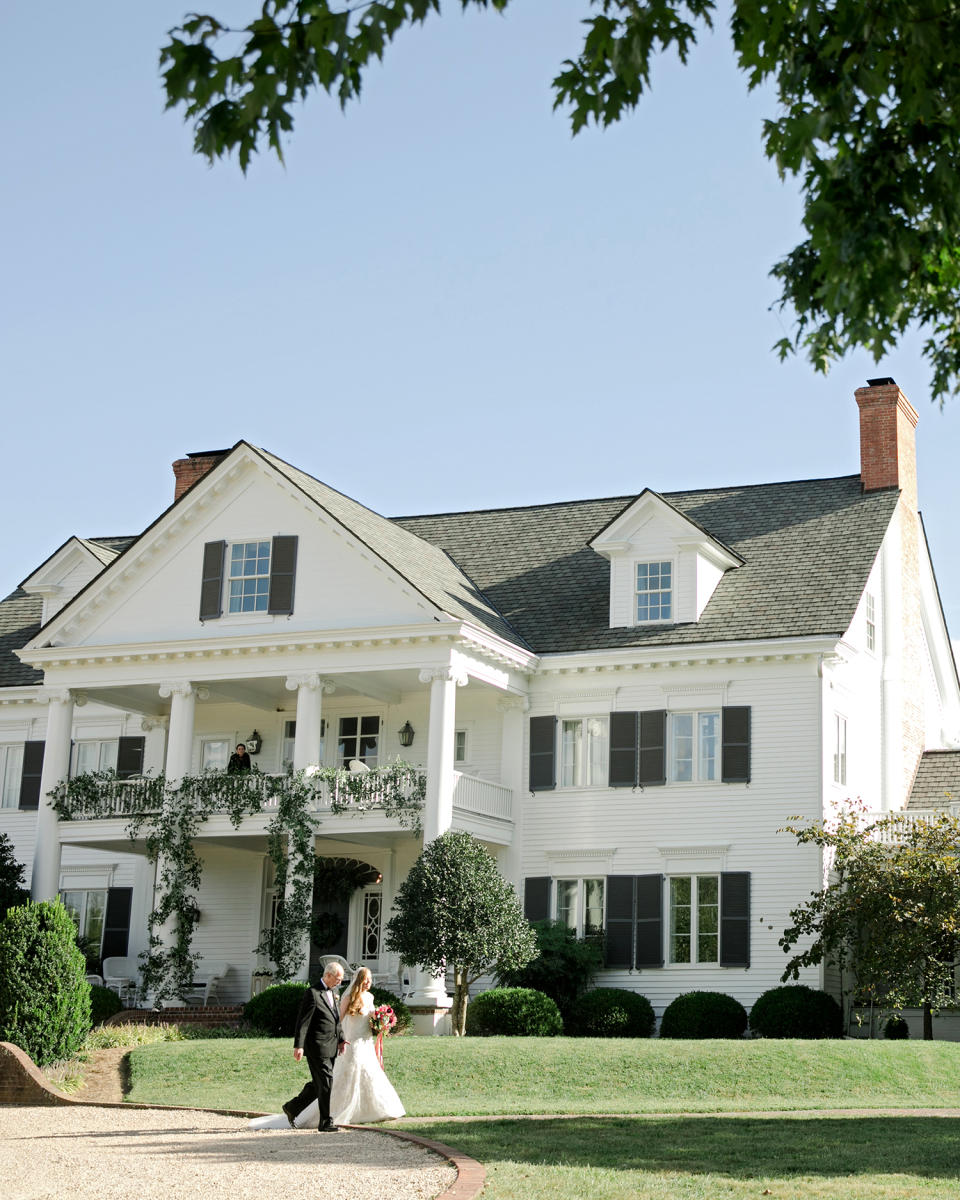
<point x="239" y="761"/>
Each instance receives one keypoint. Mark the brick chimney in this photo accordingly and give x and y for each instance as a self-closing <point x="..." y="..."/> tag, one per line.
<point x="888" y="446"/>
<point x="188" y="470"/>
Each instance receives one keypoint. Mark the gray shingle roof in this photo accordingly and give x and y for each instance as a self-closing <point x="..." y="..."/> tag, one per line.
<point x="937" y="782"/>
<point x="19" y="621"/>
<point x="428" y="567"/>
<point x="808" y="547"/>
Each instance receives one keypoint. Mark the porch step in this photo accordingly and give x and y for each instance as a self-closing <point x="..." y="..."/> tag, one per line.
<point x="213" y="1015"/>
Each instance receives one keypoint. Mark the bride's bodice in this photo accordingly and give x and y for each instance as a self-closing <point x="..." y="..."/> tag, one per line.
<point x="356" y="1026"/>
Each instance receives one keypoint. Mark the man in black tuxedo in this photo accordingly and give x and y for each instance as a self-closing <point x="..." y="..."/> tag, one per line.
<point x="318" y="1034"/>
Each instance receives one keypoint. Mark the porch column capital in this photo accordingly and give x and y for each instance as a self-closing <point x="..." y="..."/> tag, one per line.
<point x="311" y="680"/>
<point x="148" y="723"/>
<point x="176" y="687"/>
<point x="55" y="695"/>
<point x="447" y="674"/>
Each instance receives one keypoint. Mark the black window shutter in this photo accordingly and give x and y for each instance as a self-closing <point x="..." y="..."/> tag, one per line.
<point x="543" y="753"/>
<point x="130" y="756"/>
<point x="283" y="570"/>
<point x="624" y="747"/>
<point x="211" y="583"/>
<point x="649" y="921"/>
<point x="30" y="778"/>
<point x="536" y="898"/>
<point x="653" y="748"/>
<point x="735" y="919"/>
<point x="116" y="923"/>
<point x="736" y="745"/>
<point x="618" y="943"/>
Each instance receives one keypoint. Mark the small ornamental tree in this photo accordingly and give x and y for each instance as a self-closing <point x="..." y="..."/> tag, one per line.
<point x="891" y="914"/>
<point x="455" y="909"/>
<point x="44" y="995"/>
<point x="13" y="890"/>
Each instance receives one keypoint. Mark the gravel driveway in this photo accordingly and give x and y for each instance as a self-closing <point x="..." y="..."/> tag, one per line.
<point x="80" y="1152"/>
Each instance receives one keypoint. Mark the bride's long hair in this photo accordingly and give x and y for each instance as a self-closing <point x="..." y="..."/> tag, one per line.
<point x="358" y="985"/>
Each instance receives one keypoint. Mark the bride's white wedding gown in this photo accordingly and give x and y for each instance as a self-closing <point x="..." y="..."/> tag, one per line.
<point x="361" y="1092"/>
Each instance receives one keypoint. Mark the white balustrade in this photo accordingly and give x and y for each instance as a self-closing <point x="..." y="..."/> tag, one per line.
<point x="482" y="797"/>
<point x="905" y="819"/>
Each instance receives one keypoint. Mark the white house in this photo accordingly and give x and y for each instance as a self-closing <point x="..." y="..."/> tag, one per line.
<point x="623" y="698"/>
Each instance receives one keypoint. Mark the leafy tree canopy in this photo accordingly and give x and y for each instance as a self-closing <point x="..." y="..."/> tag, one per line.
<point x="454" y="909"/>
<point x="891" y="911"/>
<point x="12" y="887"/>
<point x="867" y="120"/>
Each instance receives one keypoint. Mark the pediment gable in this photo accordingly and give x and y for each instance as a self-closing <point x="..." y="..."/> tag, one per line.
<point x="66" y="573"/>
<point x="151" y="593"/>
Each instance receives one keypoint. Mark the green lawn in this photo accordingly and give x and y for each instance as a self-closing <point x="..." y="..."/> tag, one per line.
<point x="659" y="1156"/>
<point x="476" y="1076"/>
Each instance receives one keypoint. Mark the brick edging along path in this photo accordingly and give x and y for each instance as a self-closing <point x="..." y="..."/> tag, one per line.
<point x="23" y="1083"/>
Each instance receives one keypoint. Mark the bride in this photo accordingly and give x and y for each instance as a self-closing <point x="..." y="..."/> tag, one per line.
<point x="361" y="1092"/>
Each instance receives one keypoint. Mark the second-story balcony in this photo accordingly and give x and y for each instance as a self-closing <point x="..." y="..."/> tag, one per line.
<point x="397" y="791"/>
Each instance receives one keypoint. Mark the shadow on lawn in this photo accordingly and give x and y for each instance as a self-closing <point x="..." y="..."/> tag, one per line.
<point x="739" y="1147"/>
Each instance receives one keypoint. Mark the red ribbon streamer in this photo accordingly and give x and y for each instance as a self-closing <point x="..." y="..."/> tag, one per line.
<point x="380" y="1049"/>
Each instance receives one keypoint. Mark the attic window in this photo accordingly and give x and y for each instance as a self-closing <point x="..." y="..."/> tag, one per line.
<point x="654" y="591"/>
<point x="249" y="581"/>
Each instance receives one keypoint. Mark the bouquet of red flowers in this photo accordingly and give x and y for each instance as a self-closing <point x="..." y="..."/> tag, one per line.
<point x="382" y="1020"/>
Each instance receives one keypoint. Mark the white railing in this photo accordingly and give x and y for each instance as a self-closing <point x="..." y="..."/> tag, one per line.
<point x="904" y="819"/>
<point x="482" y="797"/>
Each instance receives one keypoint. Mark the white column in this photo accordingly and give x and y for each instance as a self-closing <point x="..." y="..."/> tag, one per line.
<point x="430" y="990"/>
<point x="45" y="880"/>
<point x="511" y="776"/>
<point x="310" y="689"/>
<point x="183" y="701"/>
<point x="438" y="805"/>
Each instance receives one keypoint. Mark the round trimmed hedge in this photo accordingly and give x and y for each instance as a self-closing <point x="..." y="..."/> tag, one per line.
<point x="44" y="994"/>
<point x="896" y="1029"/>
<point x="104" y="1003"/>
<point x="274" y="1011"/>
<point x="513" y="1012"/>
<point x="796" y="1011"/>
<point x="703" y="1015"/>
<point x="612" y="1012"/>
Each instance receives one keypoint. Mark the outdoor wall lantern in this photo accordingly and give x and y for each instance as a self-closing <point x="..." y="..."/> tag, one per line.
<point x="254" y="742"/>
<point x="406" y="734"/>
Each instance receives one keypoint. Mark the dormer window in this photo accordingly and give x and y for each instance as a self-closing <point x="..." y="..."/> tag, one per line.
<point x="654" y="591"/>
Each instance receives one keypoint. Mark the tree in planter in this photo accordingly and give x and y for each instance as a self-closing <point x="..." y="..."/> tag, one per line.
<point x="455" y="909"/>
<point x="13" y="890"/>
<point x="891" y="916"/>
<point x="44" y="995"/>
<point x="563" y="969"/>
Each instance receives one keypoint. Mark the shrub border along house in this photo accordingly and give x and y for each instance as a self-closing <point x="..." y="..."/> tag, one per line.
<point x="513" y="1012"/>
<point x="703" y="1015"/>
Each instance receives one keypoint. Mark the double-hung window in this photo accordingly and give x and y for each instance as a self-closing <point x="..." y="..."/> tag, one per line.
<point x="694" y="919"/>
<point x="89" y="756"/>
<point x="871" y="622"/>
<point x="839" y="749"/>
<point x="654" y="591"/>
<point x="248" y="578"/>
<point x="695" y="746"/>
<point x="358" y="737"/>
<point x="584" y="752"/>
<point x="579" y="905"/>
<point x="88" y="908"/>
<point x="11" y="771"/>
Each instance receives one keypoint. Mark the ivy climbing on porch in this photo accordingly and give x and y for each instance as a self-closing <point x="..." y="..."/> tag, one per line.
<point x="169" y="818"/>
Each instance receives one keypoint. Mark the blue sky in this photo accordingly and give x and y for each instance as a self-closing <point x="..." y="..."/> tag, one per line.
<point x="442" y="302"/>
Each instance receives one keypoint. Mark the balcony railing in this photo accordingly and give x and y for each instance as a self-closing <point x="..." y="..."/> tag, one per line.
<point x="88" y="798"/>
<point x="898" y="823"/>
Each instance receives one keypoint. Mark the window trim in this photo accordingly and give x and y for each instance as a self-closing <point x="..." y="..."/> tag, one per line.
<point x="359" y="714"/>
<point x="5" y="750"/>
<point x="870" y="622"/>
<point x="579" y="926"/>
<point x="696" y="759"/>
<point x="603" y="765"/>
<point x="841" y="749"/>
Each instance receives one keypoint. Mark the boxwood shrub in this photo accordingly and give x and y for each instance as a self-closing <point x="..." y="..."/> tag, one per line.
<point x="513" y="1012"/>
<point x="896" y="1029"/>
<point x="703" y="1015"/>
<point x="104" y="1003"/>
<point x="612" y="1012"/>
<point x="274" y="1011"/>
<point x="44" y="995"/>
<point x="796" y="1011"/>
